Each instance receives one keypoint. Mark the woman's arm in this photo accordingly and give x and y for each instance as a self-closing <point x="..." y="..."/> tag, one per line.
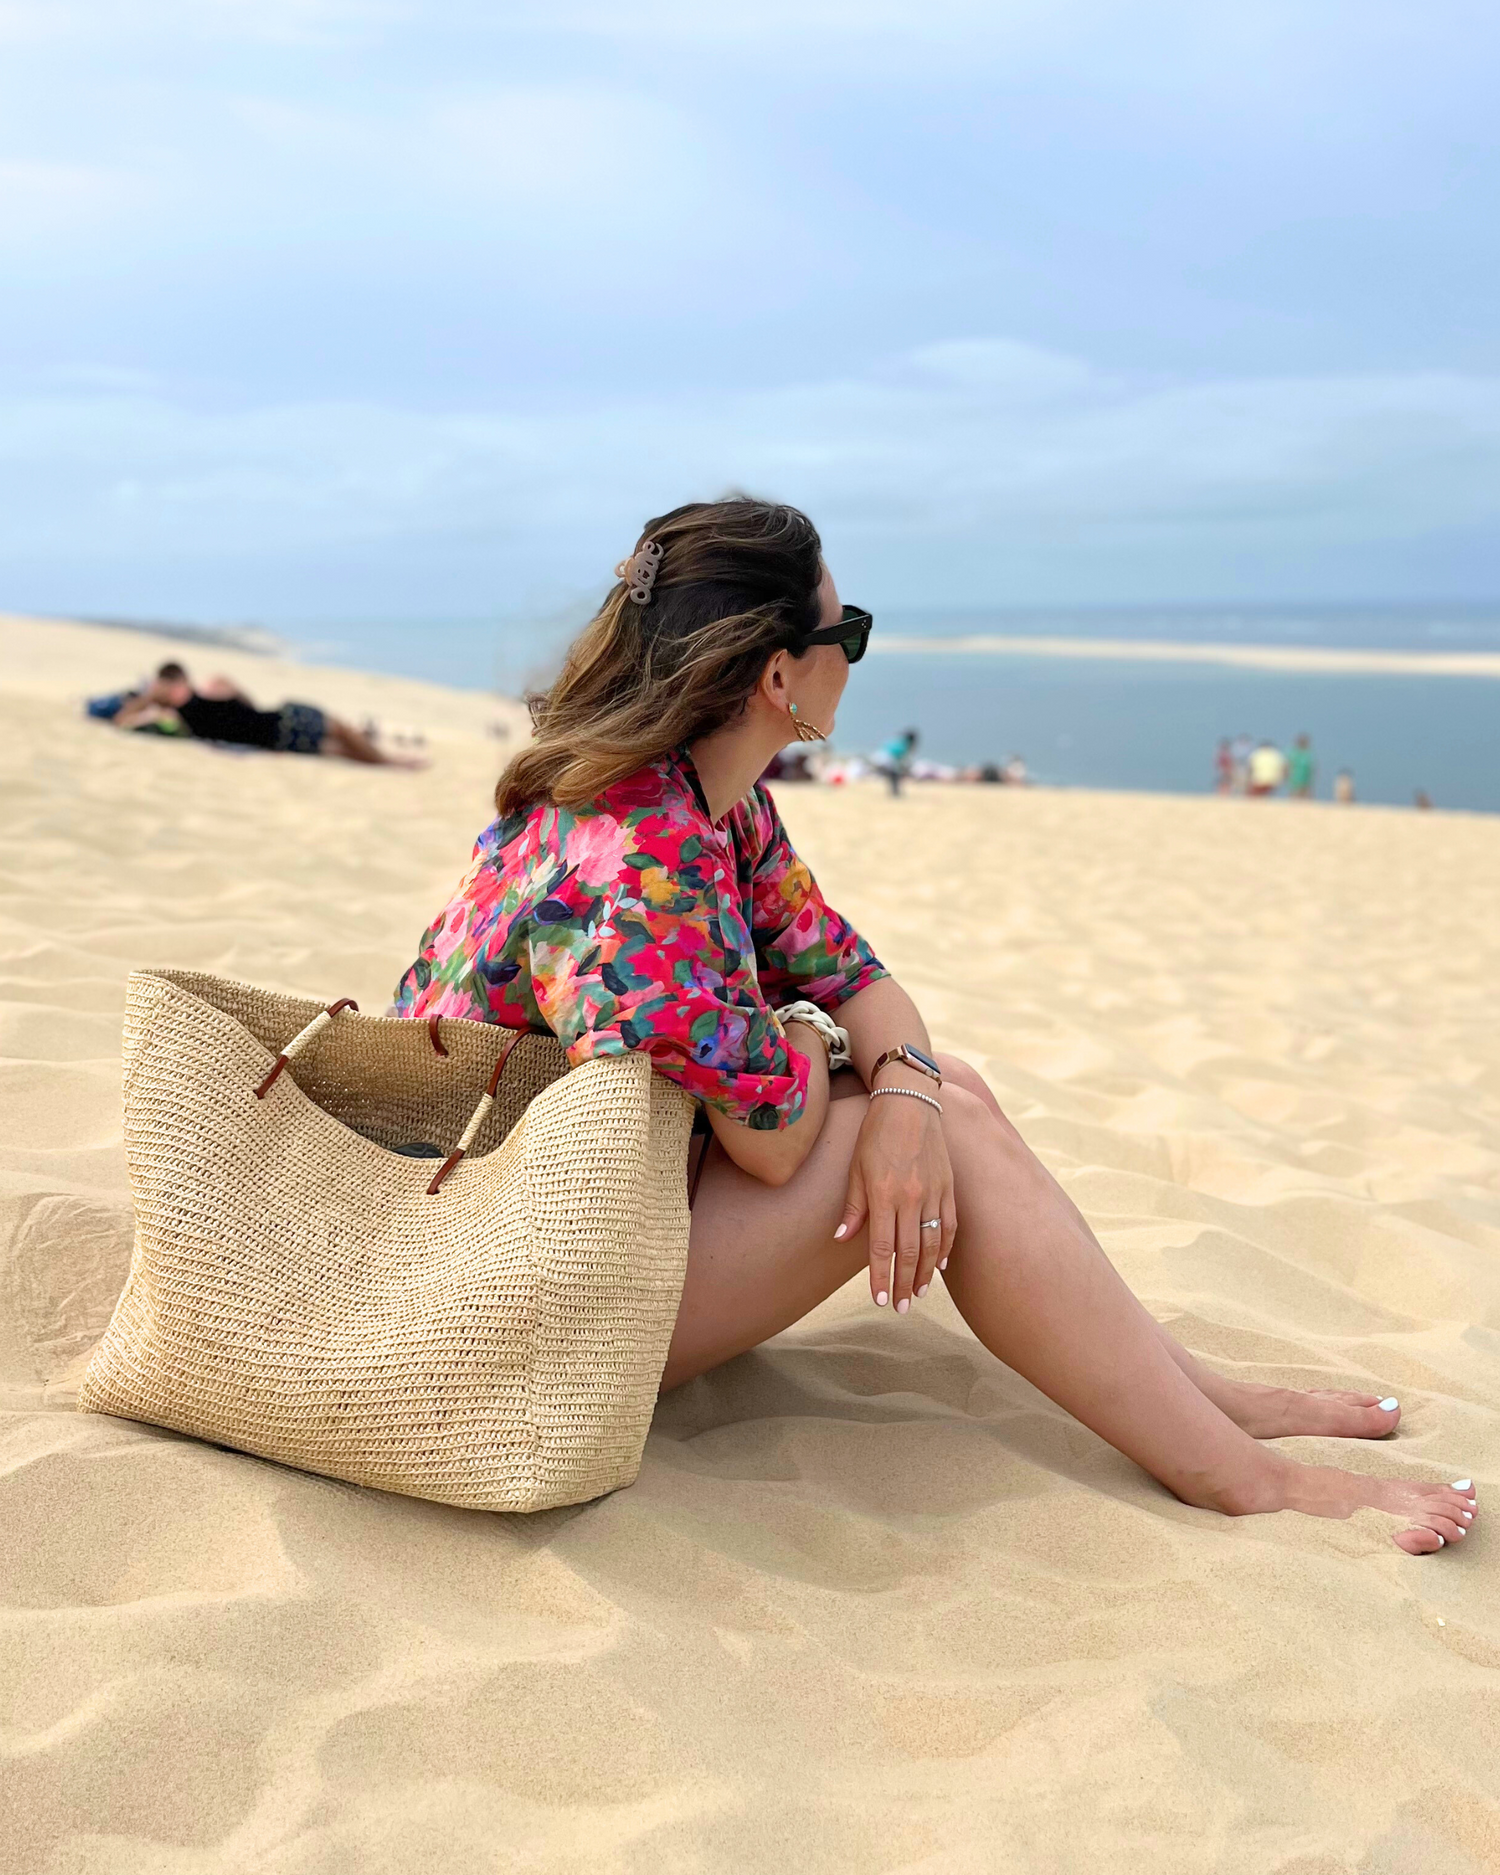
<point x="877" y="1018"/>
<point x="774" y="1157"/>
<point x="900" y="1175"/>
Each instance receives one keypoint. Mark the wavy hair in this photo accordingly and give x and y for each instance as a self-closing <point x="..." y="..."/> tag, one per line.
<point x="738" y="580"/>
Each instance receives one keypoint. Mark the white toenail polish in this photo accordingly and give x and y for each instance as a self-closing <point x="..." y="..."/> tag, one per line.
<point x="1389" y="1406"/>
<point x="1460" y="1532"/>
<point x="1439" y="1538"/>
<point x="1462" y="1484"/>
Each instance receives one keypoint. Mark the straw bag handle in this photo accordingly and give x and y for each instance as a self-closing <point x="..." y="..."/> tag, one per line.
<point x="325" y="1017"/>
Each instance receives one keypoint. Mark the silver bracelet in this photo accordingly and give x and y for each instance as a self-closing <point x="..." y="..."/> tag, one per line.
<point x="910" y="1093"/>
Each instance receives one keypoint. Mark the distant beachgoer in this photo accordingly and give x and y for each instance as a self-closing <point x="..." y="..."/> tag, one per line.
<point x="1224" y="767"/>
<point x="1015" y="772"/>
<point x="1343" y="786"/>
<point x="1267" y="768"/>
<point x="1301" y="769"/>
<point x="1239" y="756"/>
<point x="789" y="765"/>
<point x="1423" y="800"/>
<point x="221" y="712"/>
<point x="895" y="758"/>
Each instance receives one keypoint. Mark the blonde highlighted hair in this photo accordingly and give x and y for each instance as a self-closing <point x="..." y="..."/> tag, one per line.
<point x="738" y="579"/>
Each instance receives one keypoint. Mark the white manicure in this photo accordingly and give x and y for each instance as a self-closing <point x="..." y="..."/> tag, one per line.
<point x="1467" y="1515"/>
<point x="1439" y="1538"/>
<point x="1389" y="1406"/>
<point x="1460" y="1533"/>
<point x="1462" y="1484"/>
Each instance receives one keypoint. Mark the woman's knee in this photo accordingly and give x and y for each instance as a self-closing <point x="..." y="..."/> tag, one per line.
<point x="983" y="1144"/>
<point x="958" y="1073"/>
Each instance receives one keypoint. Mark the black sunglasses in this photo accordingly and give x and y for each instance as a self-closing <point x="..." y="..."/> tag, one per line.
<point x="852" y="633"/>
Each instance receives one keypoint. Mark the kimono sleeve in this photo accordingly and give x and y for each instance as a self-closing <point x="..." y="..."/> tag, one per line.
<point x="656" y="962"/>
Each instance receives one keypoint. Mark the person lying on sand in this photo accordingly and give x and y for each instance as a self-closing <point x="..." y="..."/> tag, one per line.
<point x="638" y="891"/>
<point x="221" y="712"/>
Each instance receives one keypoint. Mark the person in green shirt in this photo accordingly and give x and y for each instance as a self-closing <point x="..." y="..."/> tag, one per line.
<point x="1300" y="770"/>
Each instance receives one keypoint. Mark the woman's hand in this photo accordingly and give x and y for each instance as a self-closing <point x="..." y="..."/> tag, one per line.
<point x="900" y="1175"/>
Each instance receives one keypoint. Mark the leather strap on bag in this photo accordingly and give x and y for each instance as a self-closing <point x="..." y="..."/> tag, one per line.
<point x="481" y="1113"/>
<point x="300" y="1040"/>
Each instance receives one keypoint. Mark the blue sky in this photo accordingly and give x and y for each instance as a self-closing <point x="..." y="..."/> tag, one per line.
<point x="316" y="308"/>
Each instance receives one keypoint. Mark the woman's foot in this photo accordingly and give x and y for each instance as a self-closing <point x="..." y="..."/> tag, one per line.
<point x="1284" y="1412"/>
<point x="1435" y="1515"/>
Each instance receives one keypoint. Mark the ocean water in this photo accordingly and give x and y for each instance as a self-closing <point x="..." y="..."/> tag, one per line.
<point x="1091" y="722"/>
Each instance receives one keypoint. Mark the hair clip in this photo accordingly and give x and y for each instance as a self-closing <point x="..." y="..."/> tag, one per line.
<point x="639" y="571"/>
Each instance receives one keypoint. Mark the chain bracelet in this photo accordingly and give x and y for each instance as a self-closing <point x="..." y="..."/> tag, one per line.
<point x="907" y="1093"/>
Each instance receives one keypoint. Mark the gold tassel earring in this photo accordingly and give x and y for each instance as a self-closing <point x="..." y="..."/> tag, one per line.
<point x="806" y="732"/>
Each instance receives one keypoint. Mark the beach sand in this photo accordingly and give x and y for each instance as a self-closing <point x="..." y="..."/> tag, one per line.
<point x="874" y="1604"/>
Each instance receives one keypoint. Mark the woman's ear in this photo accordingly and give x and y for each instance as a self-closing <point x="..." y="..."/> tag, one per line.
<point x="773" y="680"/>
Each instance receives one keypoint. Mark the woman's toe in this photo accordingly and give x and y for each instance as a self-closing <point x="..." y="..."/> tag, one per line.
<point x="1419" y="1542"/>
<point x="1369" y="1415"/>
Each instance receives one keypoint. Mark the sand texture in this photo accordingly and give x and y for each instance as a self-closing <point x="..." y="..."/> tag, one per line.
<point x="874" y="1604"/>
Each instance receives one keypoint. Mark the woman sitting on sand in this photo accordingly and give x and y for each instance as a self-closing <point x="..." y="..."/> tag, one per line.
<point x="638" y="892"/>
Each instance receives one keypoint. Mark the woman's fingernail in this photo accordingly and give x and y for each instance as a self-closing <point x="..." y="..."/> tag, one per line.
<point x="903" y="1305"/>
<point x="922" y="1292"/>
<point x="1462" y="1484"/>
<point x="841" y="1229"/>
<point x="1389" y="1406"/>
<point x="944" y="1264"/>
<point x="881" y="1300"/>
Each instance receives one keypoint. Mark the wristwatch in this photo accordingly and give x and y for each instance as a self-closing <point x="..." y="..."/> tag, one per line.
<point x="913" y="1058"/>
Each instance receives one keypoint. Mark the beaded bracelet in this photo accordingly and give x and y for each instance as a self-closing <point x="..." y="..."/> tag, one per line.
<point x="909" y="1092"/>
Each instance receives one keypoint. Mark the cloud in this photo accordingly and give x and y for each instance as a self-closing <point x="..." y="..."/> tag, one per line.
<point x="54" y="202"/>
<point x="276" y="22"/>
<point x="953" y="452"/>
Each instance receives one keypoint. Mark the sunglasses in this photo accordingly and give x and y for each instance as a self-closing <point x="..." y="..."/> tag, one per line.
<point x="851" y="634"/>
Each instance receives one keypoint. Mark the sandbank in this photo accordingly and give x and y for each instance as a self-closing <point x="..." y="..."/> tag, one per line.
<point x="1309" y="660"/>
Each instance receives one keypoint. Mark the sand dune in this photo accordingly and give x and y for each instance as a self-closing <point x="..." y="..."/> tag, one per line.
<point x="873" y="1604"/>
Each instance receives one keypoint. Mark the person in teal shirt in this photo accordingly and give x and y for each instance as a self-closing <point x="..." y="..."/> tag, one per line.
<point x="1300" y="770"/>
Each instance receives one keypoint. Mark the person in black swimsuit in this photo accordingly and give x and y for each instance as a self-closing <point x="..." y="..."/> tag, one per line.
<point x="221" y="712"/>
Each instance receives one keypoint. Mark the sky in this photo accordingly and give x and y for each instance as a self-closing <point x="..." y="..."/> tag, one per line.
<point x="317" y="309"/>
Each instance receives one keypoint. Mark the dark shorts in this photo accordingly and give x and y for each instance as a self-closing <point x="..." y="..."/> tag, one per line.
<point x="301" y="729"/>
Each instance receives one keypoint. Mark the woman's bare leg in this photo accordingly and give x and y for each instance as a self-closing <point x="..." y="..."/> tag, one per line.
<point x="1264" y="1412"/>
<point x="1037" y="1290"/>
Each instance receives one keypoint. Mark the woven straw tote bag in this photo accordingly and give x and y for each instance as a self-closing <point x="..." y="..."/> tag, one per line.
<point x="487" y="1331"/>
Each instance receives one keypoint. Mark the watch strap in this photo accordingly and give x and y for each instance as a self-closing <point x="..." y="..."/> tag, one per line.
<point x="911" y="1058"/>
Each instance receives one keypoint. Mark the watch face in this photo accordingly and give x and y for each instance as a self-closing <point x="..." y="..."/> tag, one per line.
<point x="915" y="1054"/>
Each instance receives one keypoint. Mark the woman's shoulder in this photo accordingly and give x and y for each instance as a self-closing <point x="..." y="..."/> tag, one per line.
<point x="647" y="820"/>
